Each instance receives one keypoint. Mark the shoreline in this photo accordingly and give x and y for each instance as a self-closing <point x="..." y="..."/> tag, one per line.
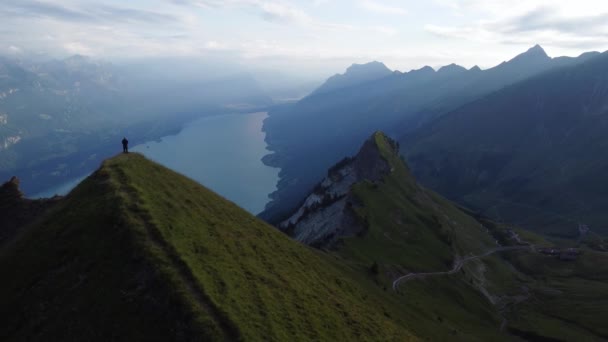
<point x="154" y="133"/>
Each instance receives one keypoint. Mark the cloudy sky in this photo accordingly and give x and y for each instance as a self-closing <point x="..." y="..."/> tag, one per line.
<point x="321" y="35"/>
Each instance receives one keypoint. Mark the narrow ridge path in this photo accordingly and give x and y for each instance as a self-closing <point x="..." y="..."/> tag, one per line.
<point x="227" y="327"/>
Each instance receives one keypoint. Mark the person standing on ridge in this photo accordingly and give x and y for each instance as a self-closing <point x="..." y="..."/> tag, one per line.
<point x="125" y="145"/>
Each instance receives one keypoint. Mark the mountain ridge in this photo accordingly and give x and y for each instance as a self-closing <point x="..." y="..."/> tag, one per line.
<point x="355" y="74"/>
<point x="331" y="124"/>
<point x="556" y="117"/>
<point x="333" y="200"/>
<point x="408" y="232"/>
<point x="137" y="251"/>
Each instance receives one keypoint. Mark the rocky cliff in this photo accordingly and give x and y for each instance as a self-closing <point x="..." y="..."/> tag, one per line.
<point x="328" y="212"/>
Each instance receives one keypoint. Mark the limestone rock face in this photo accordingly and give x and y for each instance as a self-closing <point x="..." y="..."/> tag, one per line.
<point x="327" y="213"/>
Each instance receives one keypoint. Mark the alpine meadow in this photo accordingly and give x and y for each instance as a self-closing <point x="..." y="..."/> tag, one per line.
<point x="290" y="170"/>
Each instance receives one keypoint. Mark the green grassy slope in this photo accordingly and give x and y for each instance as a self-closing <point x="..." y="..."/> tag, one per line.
<point x="410" y="226"/>
<point x="412" y="229"/>
<point x="569" y="299"/>
<point x="138" y="252"/>
<point x="544" y="297"/>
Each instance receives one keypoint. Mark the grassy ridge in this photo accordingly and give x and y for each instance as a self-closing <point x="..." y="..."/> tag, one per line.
<point x="409" y="226"/>
<point x="139" y="252"/>
<point x="83" y="274"/>
<point x="411" y="229"/>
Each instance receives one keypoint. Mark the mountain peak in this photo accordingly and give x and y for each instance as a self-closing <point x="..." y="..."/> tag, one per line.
<point x="536" y="48"/>
<point x="451" y="69"/>
<point x="355" y="74"/>
<point x="372" y="161"/>
<point x="535" y="52"/>
<point x="425" y="70"/>
<point x="310" y="224"/>
<point x="371" y="67"/>
<point x="11" y="189"/>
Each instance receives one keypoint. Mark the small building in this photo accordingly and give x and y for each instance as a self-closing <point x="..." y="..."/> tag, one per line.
<point x="567" y="254"/>
<point x="549" y="251"/>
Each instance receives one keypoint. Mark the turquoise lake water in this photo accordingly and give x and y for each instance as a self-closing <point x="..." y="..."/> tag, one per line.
<point x="221" y="152"/>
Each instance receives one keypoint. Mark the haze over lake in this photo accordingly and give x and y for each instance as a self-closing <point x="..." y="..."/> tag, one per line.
<point x="221" y="152"/>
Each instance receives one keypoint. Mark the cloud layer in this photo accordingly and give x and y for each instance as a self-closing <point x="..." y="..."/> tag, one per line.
<point x="565" y="24"/>
<point x="300" y="34"/>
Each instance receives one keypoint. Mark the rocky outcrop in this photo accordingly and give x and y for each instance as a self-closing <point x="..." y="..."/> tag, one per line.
<point x="9" y="191"/>
<point x="328" y="212"/>
<point x="17" y="211"/>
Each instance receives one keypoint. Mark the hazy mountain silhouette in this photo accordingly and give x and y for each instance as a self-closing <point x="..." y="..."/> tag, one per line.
<point x="308" y="136"/>
<point x="70" y="112"/>
<point x="532" y="153"/>
<point x="354" y="75"/>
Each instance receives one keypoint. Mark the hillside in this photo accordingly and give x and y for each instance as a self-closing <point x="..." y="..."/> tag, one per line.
<point x="138" y="252"/>
<point x="371" y="203"/>
<point x="308" y="137"/>
<point x="532" y="153"/>
<point x="447" y="267"/>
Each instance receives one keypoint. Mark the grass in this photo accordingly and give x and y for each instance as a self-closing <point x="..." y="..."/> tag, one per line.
<point x="410" y="227"/>
<point x="82" y="274"/>
<point x="566" y="299"/>
<point x="453" y="305"/>
<point x="569" y="298"/>
<point x="138" y="252"/>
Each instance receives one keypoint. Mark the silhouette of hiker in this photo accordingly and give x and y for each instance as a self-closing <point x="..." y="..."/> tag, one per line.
<point x="125" y="145"/>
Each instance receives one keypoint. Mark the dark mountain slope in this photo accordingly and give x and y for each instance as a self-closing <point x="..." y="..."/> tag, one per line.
<point x="138" y="252"/>
<point x="308" y="137"/>
<point x="532" y="153"/>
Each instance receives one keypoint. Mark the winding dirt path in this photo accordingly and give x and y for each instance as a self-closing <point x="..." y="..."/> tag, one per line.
<point x="458" y="263"/>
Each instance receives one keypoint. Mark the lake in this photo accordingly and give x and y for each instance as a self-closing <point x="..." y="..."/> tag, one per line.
<point x="221" y="152"/>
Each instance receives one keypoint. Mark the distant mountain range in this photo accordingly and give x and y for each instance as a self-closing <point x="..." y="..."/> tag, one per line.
<point x="532" y="153"/>
<point x="306" y="137"/>
<point x="364" y="242"/>
<point x="58" y="118"/>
